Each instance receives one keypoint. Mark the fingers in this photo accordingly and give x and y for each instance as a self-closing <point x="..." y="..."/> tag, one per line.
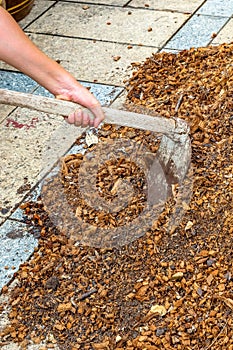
<point x="94" y="114"/>
<point x="80" y="118"/>
<point x="98" y="113"/>
<point x="83" y="119"/>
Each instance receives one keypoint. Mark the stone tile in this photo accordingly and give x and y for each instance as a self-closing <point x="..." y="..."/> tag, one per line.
<point x="16" y="81"/>
<point x="93" y="61"/>
<point x="16" y="246"/>
<point x="124" y="28"/>
<point x="42" y="92"/>
<point x="25" y="136"/>
<point x="38" y="8"/>
<point x="185" y="6"/>
<point x="196" y="32"/>
<point x="225" y="35"/>
<point x="217" y="8"/>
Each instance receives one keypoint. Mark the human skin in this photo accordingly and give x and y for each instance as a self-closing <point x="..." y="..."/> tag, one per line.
<point x="19" y="51"/>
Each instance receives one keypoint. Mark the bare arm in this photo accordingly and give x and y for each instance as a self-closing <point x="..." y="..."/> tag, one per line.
<point x="18" y="50"/>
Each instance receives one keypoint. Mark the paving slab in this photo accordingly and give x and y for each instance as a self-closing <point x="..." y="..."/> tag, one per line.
<point x="16" y="81"/>
<point x="38" y="8"/>
<point x="114" y="24"/>
<point x="196" y="32"/>
<point x="16" y="246"/>
<point x="93" y="61"/>
<point x="24" y="135"/>
<point x="217" y="8"/>
<point x="185" y="6"/>
<point x="225" y="35"/>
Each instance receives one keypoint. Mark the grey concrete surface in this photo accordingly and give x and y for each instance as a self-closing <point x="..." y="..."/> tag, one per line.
<point x="217" y="8"/>
<point x="198" y="31"/>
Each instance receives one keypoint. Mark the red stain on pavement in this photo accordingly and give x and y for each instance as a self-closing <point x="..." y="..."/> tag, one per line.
<point x="17" y="125"/>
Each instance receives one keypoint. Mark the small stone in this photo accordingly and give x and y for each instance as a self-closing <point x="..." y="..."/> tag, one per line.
<point x="149" y="29"/>
<point x="210" y="262"/>
<point x="177" y="276"/>
<point x="228" y="276"/>
<point x="85" y="7"/>
<point x="4" y="211"/>
<point x="221" y="287"/>
<point x="52" y="283"/>
<point x="158" y="309"/>
<point x="160" y="331"/>
<point x="118" y="338"/>
<point x="116" y="58"/>
<point x="189" y="225"/>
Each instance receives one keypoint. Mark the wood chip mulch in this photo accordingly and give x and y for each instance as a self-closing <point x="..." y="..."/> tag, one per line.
<point x="164" y="290"/>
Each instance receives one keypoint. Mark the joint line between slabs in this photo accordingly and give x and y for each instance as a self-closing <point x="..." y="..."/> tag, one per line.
<point x="184" y="24"/>
<point x="212" y="39"/>
<point x="40" y="15"/>
<point x="91" y="39"/>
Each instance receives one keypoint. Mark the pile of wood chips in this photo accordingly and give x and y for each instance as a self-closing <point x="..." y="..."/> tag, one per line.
<point x="165" y="290"/>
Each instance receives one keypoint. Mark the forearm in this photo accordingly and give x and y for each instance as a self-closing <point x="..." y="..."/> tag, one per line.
<point x="17" y="50"/>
